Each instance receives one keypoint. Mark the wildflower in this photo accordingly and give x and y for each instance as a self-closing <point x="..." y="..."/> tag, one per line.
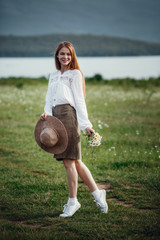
<point x="137" y="132"/>
<point x="126" y="134"/>
<point x="95" y="140"/>
<point x="113" y="148"/>
<point x="159" y="156"/>
<point x="100" y="126"/>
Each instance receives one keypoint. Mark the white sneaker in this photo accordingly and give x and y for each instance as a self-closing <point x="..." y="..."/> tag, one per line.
<point x="69" y="210"/>
<point x="101" y="203"/>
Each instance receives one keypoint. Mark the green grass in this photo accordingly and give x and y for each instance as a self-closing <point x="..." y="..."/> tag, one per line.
<point x="34" y="186"/>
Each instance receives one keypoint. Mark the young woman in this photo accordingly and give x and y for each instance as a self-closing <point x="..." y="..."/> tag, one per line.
<point x="65" y="99"/>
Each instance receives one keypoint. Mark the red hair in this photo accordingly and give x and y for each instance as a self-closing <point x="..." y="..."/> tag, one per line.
<point x="74" y="62"/>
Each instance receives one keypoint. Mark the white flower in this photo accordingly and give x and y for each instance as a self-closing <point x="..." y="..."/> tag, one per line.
<point x="100" y="126"/>
<point x="111" y="149"/>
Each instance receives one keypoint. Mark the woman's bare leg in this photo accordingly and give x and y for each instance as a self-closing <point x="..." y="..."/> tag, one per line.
<point x="85" y="175"/>
<point x="72" y="177"/>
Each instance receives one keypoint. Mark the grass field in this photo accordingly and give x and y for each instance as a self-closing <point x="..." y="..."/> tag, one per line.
<point x="34" y="185"/>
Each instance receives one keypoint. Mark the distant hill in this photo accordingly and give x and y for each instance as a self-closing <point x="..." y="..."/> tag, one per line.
<point x="85" y="45"/>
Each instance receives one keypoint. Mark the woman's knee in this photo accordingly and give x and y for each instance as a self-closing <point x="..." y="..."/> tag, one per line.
<point x="69" y="163"/>
<point x="78" y="163"/>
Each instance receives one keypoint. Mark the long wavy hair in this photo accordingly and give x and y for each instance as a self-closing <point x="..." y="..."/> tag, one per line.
<point x="74" y="62"/>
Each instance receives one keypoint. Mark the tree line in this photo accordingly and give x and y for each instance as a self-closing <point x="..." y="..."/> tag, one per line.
<point x="85" y="45"/>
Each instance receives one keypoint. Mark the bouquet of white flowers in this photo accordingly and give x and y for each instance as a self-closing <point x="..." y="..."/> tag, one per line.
<point x="95" y="139"/>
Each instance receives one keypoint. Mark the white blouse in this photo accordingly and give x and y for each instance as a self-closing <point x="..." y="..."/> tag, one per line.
<point x="67" y="88"/>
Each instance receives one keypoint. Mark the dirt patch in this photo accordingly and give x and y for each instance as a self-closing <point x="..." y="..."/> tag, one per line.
<point x="125" y="204"/>
<point x="129" y="187"/>
<point x="112" y="199"/>
<point x="119" y="202"/>
<point x="100" y="185"/>
<point x="36" y="225"/>
<point x="103" y="185"/>
<point x="39" y="173"/>
<point x="25" y="224"/>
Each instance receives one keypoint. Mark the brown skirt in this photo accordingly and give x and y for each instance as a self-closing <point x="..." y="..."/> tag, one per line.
<point x="67" y="115"/>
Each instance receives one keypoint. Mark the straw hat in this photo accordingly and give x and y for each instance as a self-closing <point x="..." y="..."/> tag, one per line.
<point x="51" y="135"/>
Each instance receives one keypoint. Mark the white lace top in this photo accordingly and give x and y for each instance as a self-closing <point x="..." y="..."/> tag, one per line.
<point x="67" y="88"/>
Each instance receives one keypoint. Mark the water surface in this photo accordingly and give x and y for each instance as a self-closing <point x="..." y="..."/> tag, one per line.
<point x="108" y="67"/>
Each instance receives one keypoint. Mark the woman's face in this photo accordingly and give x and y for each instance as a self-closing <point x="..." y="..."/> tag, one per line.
<point x="64" y="56"/>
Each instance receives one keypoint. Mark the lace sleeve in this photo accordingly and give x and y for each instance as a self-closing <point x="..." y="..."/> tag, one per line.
<point x="81" y="109"/>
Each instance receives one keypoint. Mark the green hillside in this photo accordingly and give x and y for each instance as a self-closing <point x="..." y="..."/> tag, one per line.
<point x="86" y="45"/>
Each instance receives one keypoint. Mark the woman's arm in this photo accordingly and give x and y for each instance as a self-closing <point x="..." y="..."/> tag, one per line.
<point x="81" y="109"/>
<point x="48" y="105"/>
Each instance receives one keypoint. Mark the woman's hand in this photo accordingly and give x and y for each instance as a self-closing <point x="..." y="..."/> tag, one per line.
<point x="90" y="131"/>
<point x="43" y="116"/>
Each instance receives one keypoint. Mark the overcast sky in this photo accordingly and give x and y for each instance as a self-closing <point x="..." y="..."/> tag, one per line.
<point x="138" y="19"/>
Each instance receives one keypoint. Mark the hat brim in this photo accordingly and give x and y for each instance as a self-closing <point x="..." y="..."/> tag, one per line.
<point x="55" y="124"/>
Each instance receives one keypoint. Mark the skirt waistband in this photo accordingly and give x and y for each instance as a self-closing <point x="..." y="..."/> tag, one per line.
<point x="62" y="108"/>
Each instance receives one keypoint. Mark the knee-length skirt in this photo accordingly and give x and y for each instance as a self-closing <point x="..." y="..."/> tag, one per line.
<point x="67" y="115"/>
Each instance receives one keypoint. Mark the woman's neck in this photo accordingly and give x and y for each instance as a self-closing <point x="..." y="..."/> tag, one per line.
<point x="64" y="69"/>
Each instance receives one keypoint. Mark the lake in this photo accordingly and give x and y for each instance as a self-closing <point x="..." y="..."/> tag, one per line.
<point x="108" y="67"/>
